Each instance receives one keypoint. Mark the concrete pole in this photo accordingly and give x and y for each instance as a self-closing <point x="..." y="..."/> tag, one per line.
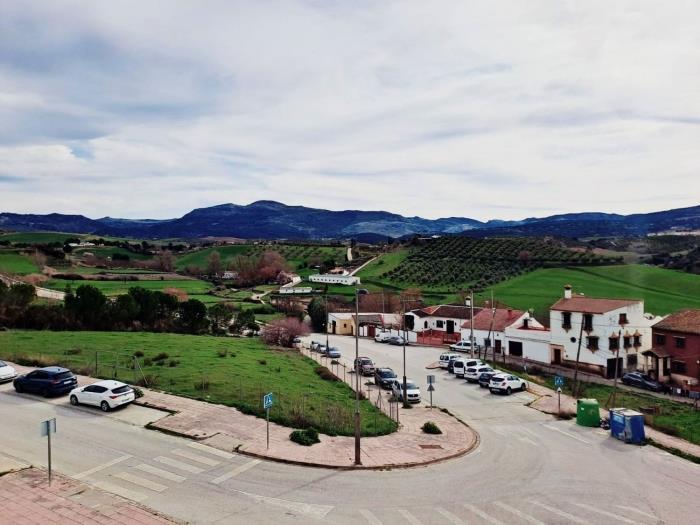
<point x="358" y="460"/>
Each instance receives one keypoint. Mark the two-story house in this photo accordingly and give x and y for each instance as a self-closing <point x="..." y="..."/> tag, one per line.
<point x="490" y="324"/>
<point x="675" y="355"/>
<point x="605" y="330"/>
<point x="445" y="319"/>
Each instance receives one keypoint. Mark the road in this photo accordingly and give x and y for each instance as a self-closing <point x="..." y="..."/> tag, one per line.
<point x="528" y="468"/>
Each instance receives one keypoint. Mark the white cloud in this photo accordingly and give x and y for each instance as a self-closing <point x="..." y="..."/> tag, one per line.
<point x="487" y="110"/>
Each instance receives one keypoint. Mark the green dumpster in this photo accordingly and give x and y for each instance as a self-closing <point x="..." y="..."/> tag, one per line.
<point x="587" y="413"/>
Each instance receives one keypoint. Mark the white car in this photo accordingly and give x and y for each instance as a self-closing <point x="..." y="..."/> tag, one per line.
<point x="460" y="365"/>
<point x="445" y="359"/>
<point x="462" y="346"/>
<point x="506" y="383"/>
<point x="382" y="337"/>
<point x="412" y="391"/>
<point x="7" y="372"/>
<point x="473" y="372"/>
<point x="104" y="394"/>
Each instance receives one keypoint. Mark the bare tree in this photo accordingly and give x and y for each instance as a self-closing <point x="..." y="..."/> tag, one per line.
<point x="214" y="265"/>
<point x="283" y="331"/>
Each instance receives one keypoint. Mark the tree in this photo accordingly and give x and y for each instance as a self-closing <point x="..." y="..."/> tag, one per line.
<point x="87" y="305"/>
<point x="318" y="314"/>
<point x="220" y="315"/>
<point x="123" y="311"/>
<point x="193" y="317"/>
<point x="165" y="260"/>
<point x="214" y="265"/>
<point x="245" y="319"/>
<point x="282" y="332"/>
<point x="14" y="300"/>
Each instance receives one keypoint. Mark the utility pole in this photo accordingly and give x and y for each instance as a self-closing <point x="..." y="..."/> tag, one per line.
<point x="358" y="460"/>
<point x="493" y="319"/>
<point x="617" y="366"/>
<point x="404" y="396"/>
<point x="471" y="323"/>
<point x="326" y="323"/>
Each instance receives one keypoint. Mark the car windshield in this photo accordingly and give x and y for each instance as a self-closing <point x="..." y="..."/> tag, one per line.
<point x="121" y="389"/>
<point x="63" y="375"/>
<point x="366" y="361"/>
<point x="387" y="373"/>
<point x="409" y="385"/>
<point x="3" y="363"/>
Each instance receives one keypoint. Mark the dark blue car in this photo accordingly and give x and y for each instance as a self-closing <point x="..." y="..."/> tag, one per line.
<point x="49" y="381"/>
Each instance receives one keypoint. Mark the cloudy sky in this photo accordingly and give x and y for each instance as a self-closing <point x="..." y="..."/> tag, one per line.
<point x="503" y="109"/>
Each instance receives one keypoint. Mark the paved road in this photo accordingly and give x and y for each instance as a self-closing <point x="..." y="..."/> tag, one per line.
<point x="528" y="468"/>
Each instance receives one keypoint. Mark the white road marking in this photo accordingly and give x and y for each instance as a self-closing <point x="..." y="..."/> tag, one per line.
<point x="482" y="514"/>
<point x="141" y="482"/>
<point x="121" y="491"/>
<point x="370" y="517"/>
<point x="499" y="432"/>
<point x="235" y="472"/>
<point x="527" y="440"/>
<point x="450" y="517"/>
<point x="178" y="465"/>
<point x="518" y="513"/>
<point x="525" y="429"/>
<point x="640" y="512"/>
<point x="605" y="513"/>
<point x="211" y="450"/>
<point x="312" y="509"/>
<point x="165" y="474"/>
<point x="101" y="467"/>
<point x="567" y="434"/>
<point x="409" y="517"/>
<point x="196" y="457"/>
<point x="561" y="513"/>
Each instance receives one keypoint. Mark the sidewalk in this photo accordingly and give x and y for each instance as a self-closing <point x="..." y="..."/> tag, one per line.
<point x="547" y="402"/>
<point x="26" y="498"/>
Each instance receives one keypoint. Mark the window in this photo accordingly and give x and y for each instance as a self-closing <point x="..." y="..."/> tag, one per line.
<point x="515" y="348"/>
<point x="566" y="320"/>
<point x="614" y="343"/>
<point x="425" y="324"/>
<point x="487" y="343"/>
<point x="678" y="367"/>
<point x="632" y="360"/>
<point x="637" y="340"/>
<point x="680" y="342"/>
<point x="588" y="322"/>
<point x="623" y="319"/>
<point x="660" y="339"/>
<point x="592" y="343"/>
<point x="627" y="341"/>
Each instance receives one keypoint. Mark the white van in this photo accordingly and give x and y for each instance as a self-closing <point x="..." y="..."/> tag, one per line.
<point x="445" y="359"/>
<point x="460" y="365"/>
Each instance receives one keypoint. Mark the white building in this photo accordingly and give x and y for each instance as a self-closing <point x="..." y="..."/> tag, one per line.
<point x="442" y="318"/>
<point x="327" y="278"/>
<point x="529" y="339"/>
<point x="610" y="329"/>
<point x="490" y="325"/>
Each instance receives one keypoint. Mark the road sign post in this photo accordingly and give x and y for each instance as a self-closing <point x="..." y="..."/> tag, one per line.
<point x="48" y="427"/>
<point x="267" y="404"/>
<point x="431" y="388"/>
<point x="559" y="400"/>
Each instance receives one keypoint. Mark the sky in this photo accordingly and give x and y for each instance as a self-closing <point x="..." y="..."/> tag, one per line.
<point x="503" y="109"/>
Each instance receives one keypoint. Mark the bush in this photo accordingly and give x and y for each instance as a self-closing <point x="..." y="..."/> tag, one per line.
<point x="148" y="380"/>
<point x="33" y="360"/>
<point x="73" y="351"/>
<point x="202" y="385"/>
<point x="222" y="353"/>
<point x="147" y="362"/>
<point x="161" y="356"/>
<point x="306" y="437"/>
<point x="137" y="392"/>
<point x="326" y="374"/>
<point x="138" y="353"/>
<point x="431" y="428"/>
<point x="173" y="363"/>
<point x="262" y="361"/>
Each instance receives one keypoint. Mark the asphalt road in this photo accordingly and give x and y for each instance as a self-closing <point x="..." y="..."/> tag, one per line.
<point x="528" y="468"/>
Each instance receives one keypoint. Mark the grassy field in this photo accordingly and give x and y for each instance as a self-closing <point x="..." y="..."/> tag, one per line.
<point x="16" y="263"/>
<point x="235" y="372"/>
<point x="200" y="258"/>
<point x="111" y="288"/>
<point x="109" y="251"/>
<point x="663" y="291"/>
<point x="39" y="237"/>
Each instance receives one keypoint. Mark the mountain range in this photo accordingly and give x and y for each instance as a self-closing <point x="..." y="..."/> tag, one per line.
<point x="274" y="220"/>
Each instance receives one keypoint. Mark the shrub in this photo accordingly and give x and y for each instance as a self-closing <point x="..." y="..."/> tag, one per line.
<point x="173" y="363"/>
<point x="148" y="380"/>
<point x="33" y="360"/>
<point x="305" y="437"/>
<point x="137" y="392"/>
<point x="147" y="362"/>
<point x="202" y="385"/>
<point x="325" y="374"/>
<point x="138" y="353"/>
<point x="431" y="428"/>
<point x="262" y="361"/>
<point x="161" y="356"/>
<point x="73" y="351"/>
<point x="222" y="353"/>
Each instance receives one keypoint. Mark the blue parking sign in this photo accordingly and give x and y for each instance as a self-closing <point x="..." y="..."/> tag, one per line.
<point x="558" y="381"/>
<point x="267" y="401"/>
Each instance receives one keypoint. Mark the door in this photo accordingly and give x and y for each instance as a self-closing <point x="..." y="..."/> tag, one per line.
<point x="498" y="346"/>
<point x="556" y="359"/>
<point x="333" y="326"/>
<point x="371" y="330"/>
<point x="610" y="371"/>
<point x="450" y="327"/>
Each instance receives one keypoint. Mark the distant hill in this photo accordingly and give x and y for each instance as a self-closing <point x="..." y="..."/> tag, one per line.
<point x="274" y="220"/>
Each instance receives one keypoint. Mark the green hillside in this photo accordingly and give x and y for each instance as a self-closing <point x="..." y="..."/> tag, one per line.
<point x="663" y="291"/>
<point x="38" y="237"/>
<point x="12" y="262"/>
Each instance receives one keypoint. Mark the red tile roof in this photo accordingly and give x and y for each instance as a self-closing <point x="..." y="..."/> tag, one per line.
<point x="591" y="305"/>
<point x="448" y="311"/>
<point x="501" y="318"/>
<point x="687" y="321"/>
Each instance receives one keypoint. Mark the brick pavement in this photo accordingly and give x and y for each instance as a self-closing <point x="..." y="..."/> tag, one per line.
<point x="26" y="498"/>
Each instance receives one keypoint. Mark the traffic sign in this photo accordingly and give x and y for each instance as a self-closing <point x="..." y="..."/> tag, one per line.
<point x="431" y="379"/>
<point x="267" y="401"/>
<point x="431" y="388"/>
<point x="48" y="427"/>
<point x="558" y="381"/>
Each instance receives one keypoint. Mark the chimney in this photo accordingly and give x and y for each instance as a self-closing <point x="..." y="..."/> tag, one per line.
<point x="567" y="291"/>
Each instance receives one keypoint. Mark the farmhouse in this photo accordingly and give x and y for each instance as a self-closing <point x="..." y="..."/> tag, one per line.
<point x="343" y="323"/>
<point x="528" y="338"/>
<point x="675" y="354"/>
<point x="326" y="278"/>
<point x="445" y="319"/>
<point x="611" y="331"/>
<point x="490" y="324"/>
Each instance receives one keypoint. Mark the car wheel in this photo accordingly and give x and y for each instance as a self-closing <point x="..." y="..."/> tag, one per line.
<point x="509" y="391"/>
<point x="74" y="401"/>
<point x="523" y="387"/>
<point x="44" y="392"/>
<point x="18" y="388"/>
<point x="104" y="406"/>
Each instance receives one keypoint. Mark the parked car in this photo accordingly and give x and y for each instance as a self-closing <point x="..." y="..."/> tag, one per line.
<point x="104" y="394"/>
<point x="506" y="383"/>
<point x="296" y="343"/>
<point x="412" y="391"/>
<point x="382" y="337"/>
<point x="445" y="359"/>
<point x="314" y="346"/>
<point x="485" y="378"/>
<point x="642" y="381"/>
<point x="364" y="366"/>
<point x="397" y="340"/>
<point x="384" y="378"/>
<point x="321" y="349"/>
<point x="460" y="365"/>
<point x="451" y="363"/>
<point x="462" y="346"/>
<point x="472" y="373"/>
<point x="333" y="352"/>
<point x="7" y="372"/>
<point x="49" y="381"/>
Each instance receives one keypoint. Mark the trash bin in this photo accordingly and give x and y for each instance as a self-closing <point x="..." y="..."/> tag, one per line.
<point x="627" y="425"/>
<point x="587" y="413"/>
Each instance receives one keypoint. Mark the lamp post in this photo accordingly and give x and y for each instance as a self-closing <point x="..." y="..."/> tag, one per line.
<point x="358" y="460"/>
<point x="404" y="396"/>
<point x="326" y="323"/>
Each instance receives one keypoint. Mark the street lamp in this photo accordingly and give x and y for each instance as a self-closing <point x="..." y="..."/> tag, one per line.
<point x="403" y="323"/>
<point x="326" y="323"/>
<point x="358" y="460"/>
